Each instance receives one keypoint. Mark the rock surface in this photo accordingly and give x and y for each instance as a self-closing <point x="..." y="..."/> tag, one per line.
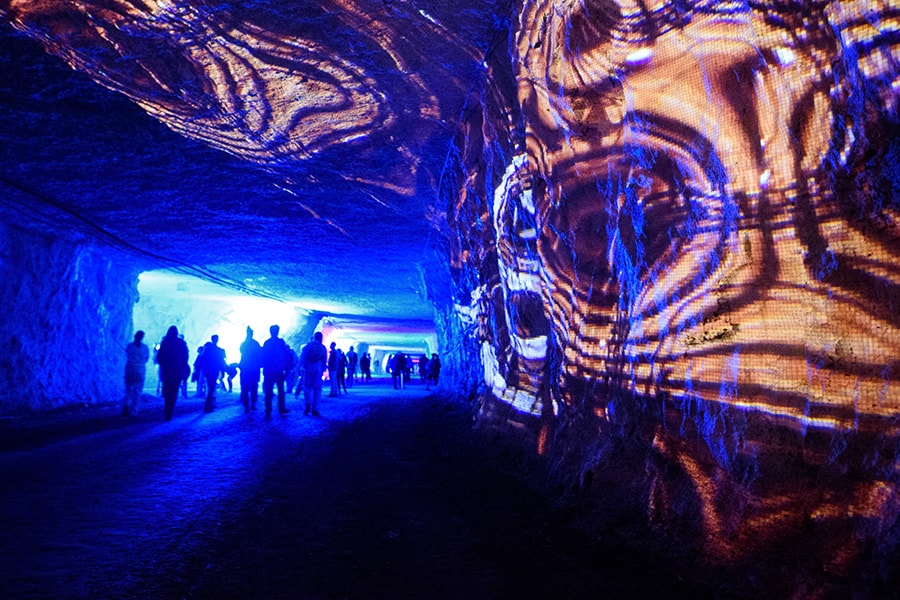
<point x="660" y="241"/>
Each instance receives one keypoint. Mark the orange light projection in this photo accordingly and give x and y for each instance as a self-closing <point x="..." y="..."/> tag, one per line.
<point x="278" y="88"/>
<point x="706" y="206"/>
<point x="689" y="208"/>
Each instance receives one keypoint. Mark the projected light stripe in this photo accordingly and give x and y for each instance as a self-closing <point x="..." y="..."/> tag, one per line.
<point x="279" y="96"/>
<point x="629" y="307"/>
<point x="700" y="204"/>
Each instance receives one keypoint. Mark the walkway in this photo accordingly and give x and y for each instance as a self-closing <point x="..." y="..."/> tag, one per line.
<point x="384" y="496"/>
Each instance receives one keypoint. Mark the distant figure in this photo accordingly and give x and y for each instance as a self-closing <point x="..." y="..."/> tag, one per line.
<point x="342" y="371"/>
<point x="399" y="371"/>
<point x="251" y="363"/>
<point x="434" y="372"/>
<point x="275" y="365"/>
<point x="422" y="367"/>
<point x="136" y="356"/>
<point x="365" y="367"/>
<point x="333" y="361"/>
<point x="172" y="359"/>
<point x="197" y="375"/>
<point x="313" y="362"/>
<point x="352" y="360"/>
<point x="293" y="370"/>
<point x="184" y="380"/>
<point x="212" y="364"/>
<point x="231" y="371"/>
<point x="300" y="371"/>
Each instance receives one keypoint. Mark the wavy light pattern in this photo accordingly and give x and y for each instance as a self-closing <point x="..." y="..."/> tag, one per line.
<point x="692" y="224"/>
<point x="679" y="229"/>
<point x="699" y="223"/>
<point x="278" y="94"/>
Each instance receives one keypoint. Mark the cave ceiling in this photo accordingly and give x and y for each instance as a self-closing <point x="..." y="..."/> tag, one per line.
<point x="293" y="149"/>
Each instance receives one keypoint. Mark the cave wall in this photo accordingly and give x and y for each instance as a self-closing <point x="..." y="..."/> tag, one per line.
<point x="675" y="240"/>
<point x="67" y="321"/>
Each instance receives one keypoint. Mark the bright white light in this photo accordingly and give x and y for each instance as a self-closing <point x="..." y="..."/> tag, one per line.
<point x="257" y="313"/>
<point x="785" y="56"/>
<point x="639" y="57"/>
<point x="200" y="310"/>
<point x="427" y="16"/>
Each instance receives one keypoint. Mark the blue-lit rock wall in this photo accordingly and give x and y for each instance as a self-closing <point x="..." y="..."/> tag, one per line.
<point x="678" y="251"/>
<point x="67" y="318"/>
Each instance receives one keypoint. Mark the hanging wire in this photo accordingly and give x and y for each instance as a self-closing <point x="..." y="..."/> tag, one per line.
<point x="96" y="231"/>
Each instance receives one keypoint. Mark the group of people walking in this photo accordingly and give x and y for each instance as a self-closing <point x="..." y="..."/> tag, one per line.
<point x="270" y="362"/>
<point x="401" y="366"/>
<point x="342" y="368"/>
<point x="273" y="362"/>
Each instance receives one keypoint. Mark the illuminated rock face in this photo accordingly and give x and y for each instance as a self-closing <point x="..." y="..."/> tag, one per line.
<point x="704" y="203"/>
<point x="68" y="308"/>
<point x="662" y="237"/>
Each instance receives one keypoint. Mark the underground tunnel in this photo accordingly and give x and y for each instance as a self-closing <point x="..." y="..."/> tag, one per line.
<point x="654" y="244"/>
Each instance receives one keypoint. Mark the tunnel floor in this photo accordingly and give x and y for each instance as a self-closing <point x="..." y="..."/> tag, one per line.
<point x="390" y="494"/>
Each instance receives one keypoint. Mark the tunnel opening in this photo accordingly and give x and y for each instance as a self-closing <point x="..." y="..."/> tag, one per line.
<point x="201" y="309"/>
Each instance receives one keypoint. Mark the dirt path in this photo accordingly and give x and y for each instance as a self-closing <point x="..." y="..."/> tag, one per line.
<point x="388" y="495"/>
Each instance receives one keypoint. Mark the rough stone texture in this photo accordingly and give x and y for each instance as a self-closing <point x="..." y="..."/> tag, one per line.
<point x="66" y="323"/>
<point x="660" y="239"/>
<point x="681" y="265"/>
<point x="319" y="131"/>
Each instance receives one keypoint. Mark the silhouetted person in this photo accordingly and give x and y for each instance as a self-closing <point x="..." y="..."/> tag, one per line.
<point x="299" y="387"/>
<point x="313" y="362"/>
<point x="342" y="371"/>
<point x="299" y="384"/>
<point x="251" y="363"/>
<point x="333" y="361"/>
<point x="423" y="367"/>
<point x="197" y="375"/>
<point x="365" y="367"/>
<point x="172" y="359"/>
<point x="184" y="380"/>
<point x="293" y="369"/>
<point x="275" y="364"/>
<point x="399" y="372"/>
<point x="231" y="371"/>
<point x="352" y="360"/>
<point x="434" y="372"/>
<point x="136" y="356"/>
<point x="212" y="364"/>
